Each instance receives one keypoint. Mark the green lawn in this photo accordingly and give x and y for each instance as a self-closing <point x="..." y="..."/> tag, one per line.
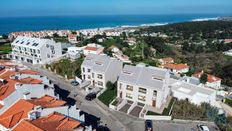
<point x="108" y="96"/>
<point x="228" y="102"/>
<point x="5" y="48"/>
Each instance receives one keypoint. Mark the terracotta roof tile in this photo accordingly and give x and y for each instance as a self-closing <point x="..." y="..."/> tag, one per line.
<point x="30" y="80"/>
<point x="91" y="48"/>
<point x="47" y="102"/>
<point x="15" y="113"/>
<point x="211" y="78"/>
<point x="176" y="66"/>
<point x="52" y="122"/>
<point x="31" y="72"/>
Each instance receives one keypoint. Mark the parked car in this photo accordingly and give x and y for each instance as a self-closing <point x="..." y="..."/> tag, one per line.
<point x="148" y="125"/>
<point x="202" y="127"/>
<point x="74" y="83"/>
<point x="91" y="96"/>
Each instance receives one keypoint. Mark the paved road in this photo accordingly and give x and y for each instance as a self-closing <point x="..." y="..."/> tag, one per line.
<point x="117" y="121"/>
<point x="90" y="107"/>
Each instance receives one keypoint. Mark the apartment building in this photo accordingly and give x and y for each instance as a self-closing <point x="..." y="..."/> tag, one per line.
<point x="99" y="69"/>
<point x="35" y="50"/>
<point x="147" y="85"/>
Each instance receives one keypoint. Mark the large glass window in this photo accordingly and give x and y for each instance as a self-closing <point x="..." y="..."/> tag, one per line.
<point x="141" y="98"/>
<point x="99" y="76"/>
<point x="129" y="95"/>
<point x="142" y="90"/>
<point x="129" y="87"/>
<point x="154" y="93"/>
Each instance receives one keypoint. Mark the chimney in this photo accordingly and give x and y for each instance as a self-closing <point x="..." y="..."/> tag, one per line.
<point x="32" y="115"/>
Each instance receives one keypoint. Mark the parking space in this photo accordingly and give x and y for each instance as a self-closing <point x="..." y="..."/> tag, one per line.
<point x="135" y="111"/>
<point x="125" y="108"/>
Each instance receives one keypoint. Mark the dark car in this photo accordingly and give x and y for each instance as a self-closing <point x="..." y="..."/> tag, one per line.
<point x="74" y="83"/>
<point x="91" y="96"/>
<point x="148" y="125"/>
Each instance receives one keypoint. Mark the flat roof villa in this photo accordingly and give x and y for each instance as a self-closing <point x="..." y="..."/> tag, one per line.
<point x="193" y="93"/>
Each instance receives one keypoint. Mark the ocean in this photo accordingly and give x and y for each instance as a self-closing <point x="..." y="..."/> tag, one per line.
<point x="14" y="24"/>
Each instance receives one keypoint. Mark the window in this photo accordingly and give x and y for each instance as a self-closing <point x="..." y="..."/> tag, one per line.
<point x="89" y="77"/>
<point x="129" y="95"/>
<point x="155" y="93"/>
<point x="89" y="70"/>
<point x="142" y="90"/>
<point x="92" y="75"/>
<point x="120" y="86"/>
<point x="100" y="83"/>
<point x="141" y="98"/>
<point x="99" y="76"/>
<point x="83" y="69"/>
<point x="38" y="51"/>
<point x="130" y="88"/>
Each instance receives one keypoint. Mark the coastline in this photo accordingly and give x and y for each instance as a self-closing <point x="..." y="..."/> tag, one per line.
<point x="115" y="27"/>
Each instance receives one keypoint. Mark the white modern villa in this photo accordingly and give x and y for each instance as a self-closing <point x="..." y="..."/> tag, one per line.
<point x="35" y="50"/>
<point x="146" y="85"/>
<point x="99" y="69"/>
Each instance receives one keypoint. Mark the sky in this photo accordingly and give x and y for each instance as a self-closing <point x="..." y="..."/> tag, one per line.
<point x="10" y="8"/>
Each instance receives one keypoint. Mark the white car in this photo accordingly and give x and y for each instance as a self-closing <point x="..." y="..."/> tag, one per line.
<point x="203" y="128"/>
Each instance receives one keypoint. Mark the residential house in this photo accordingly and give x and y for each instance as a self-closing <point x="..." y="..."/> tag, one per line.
<point x="35" y="50"/>
<point x="72" y="38"/>
<point x="99" y="69"/>
<point x="212" y="81"/>
<point x="74" y="52"/>
<point x="33" y="109"/>
<point x="177" y="68"/>
<point x="93" y="49"/>
<point x="167" y="60"/>
<point x="146" y="85"/>
<point x="193" y="93"/>
<point x="22" y="84"/>
<point x="52" y="122"/>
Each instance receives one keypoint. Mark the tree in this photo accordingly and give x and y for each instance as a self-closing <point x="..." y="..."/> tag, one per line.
<point x="204" y="78"/>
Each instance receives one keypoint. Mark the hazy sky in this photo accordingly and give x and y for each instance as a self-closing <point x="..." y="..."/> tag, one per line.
<point x="105" y="7"/>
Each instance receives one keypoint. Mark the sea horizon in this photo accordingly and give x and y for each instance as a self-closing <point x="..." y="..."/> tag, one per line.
<point x="80" y="22"/>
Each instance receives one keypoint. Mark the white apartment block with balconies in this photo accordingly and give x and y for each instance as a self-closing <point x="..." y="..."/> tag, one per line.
<point x="147" y="85"/>
<point x="35" y="50"/>
<point x="99" y="69"/>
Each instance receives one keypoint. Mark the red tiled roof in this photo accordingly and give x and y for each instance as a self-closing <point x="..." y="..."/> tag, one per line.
<point x="47" y="102"/>
<point x="21" y="108"/>
<point x="30" y="72"/>
<point x="30" y="80"/>
<point x="15" y="113"/>
<point x="7" y="74"/>
<point x="176" y="66"/>
<point x="52" y="122"/>
<point x="90" y="48"/>
<point x="211" y="78"/>
<point x="7" y="89"/>
<point x="72" y="36"/>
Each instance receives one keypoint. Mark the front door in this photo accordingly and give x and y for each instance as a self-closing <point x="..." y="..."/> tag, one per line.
<point x="154" y="103"/>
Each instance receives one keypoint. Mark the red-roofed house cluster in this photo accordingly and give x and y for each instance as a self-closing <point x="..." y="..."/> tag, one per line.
<point x="28" y="102"/>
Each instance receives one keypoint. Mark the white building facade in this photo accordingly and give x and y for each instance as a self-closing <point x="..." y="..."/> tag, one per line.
<point x="193" y="93"/>
<point x="99" y="69"/>
<point x="35" y="50"/>
<point x="147" y="85"/>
